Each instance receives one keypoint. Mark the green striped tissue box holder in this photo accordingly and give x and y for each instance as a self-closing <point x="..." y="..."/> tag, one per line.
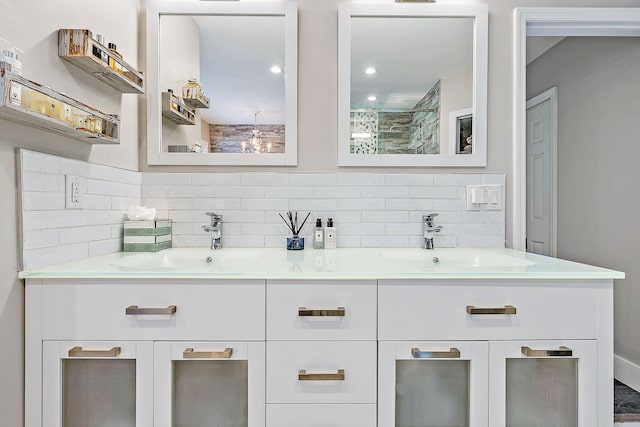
<point x="147" y="236"/>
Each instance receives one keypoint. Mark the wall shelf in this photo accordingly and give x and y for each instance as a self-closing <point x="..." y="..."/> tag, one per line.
<point x="78" y="47"/>
<point x="32" y="104"/>
<point x="175" y="110"/>
<point x="197" y="102"/>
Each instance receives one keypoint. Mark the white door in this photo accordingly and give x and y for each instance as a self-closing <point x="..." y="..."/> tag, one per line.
<point x="543" y="383"/>
<point x="433" y="383"/>
<point x="541" y="173"/>
<point x="97" y="384"/>
<point x="209" y="383"/>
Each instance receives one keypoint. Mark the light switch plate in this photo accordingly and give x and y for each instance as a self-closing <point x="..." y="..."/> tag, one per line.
<point x="485" y="197"/>
<point x="74" y="189"/>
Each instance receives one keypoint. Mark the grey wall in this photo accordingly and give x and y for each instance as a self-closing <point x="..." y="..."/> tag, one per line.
<point x="598" y="155"/>
<point x="33" y="26"/>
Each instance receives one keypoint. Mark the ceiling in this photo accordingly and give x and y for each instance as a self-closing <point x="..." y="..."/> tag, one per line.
<point x="236" y="55"/>
<point x="410" y="54"/>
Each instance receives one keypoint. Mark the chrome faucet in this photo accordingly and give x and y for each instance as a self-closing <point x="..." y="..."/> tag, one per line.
<point x="428" y="230"/>
<point x="215" y="228"/>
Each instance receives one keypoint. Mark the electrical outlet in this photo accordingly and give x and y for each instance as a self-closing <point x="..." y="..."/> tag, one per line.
<point x="74" y="192"/>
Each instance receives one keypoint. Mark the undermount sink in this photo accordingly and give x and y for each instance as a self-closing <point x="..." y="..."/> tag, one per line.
<point x="454" y="257"/>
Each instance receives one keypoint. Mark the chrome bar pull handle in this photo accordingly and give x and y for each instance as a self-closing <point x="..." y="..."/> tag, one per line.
<point x="507" y="309"/>
<point x="310" y="312"/>
<point x="453" y="353"/>
<point x="189" y="353"/>
<point x="338" y="376"/>
<point x="134" y="310"/>
<point x="561" y="352"/>
<point x="79" y="352"/>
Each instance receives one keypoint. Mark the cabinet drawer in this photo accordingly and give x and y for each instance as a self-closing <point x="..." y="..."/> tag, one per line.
<point x="439" y="311"/>
<point x="225" y="311"/>
<point x="321" y="415"/>
<point x="318" y="310"/>
<point x="333" y="372"/>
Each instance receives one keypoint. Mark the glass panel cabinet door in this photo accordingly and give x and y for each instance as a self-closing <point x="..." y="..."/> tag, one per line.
<point x="432" y="384"/>
<point x="209" y="384"/>
<point x="544" y="384"/>
<point x="97" y="384"/>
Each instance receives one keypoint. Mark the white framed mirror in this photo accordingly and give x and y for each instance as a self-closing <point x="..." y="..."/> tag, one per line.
<point x="222" y="83"/>
<point x="412" y="85"/>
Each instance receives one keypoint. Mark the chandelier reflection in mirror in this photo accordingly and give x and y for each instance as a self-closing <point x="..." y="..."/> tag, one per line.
<point x="255" y="144"/>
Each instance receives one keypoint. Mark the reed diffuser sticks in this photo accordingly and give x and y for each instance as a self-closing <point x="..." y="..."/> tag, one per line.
<point x="292" y="223"/>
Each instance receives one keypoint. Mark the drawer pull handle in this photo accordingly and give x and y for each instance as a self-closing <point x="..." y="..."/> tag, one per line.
<point x="303" y="376"/>
<point x="134" y="310"/>
<point x="188" y="353"/>
<point x="453" y="353"/>
<point x="310" y="312"/>
<point x="79" y="352"/>
<point x="561" y="352"/>
<point x="507" y="309"/>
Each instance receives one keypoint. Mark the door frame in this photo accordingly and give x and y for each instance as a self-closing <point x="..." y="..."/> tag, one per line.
<point x="551" y="21"/>
<point x="550" y="95"/>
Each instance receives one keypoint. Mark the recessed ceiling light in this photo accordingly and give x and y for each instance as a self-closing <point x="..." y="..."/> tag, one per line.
<point x="276" y="70"/>
<point x="372" y="98"/>
<point x="370" y="71"/>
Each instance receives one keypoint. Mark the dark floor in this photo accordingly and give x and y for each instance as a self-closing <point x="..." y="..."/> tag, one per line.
<point x="627" y="403"/>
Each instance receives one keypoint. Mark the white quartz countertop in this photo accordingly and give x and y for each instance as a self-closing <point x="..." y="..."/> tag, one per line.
<point x="343" y="263"/>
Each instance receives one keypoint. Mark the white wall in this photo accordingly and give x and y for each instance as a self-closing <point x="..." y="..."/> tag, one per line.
<point x="179" y="61"/>
<point x="598" y="154"/>
<point x="456" y="94"/>
<point x="33" y="25"/>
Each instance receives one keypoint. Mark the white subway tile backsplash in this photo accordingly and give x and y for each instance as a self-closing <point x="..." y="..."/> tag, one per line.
<point x="457" y="179"/>
<point x="213" y="204"/>
<point x="37" y="181"/>
<point x="403" y="229"/>
<point x="409" y="179"/>
<point x="36" y="258"/>
<point x="189" y="191"/>
<point x="166" y="178"/>
<point x="313" y="205"/>
<point x="313" y="179"/>
<point x="360" y="179"/>
<point x="361" y="204"/>
<point x="84" y="234"/>
<point x="333" y="192"/>
<point x="94" y="202"/>
<point x="101" y="247"/>
<point x="39" y="162"/>
<point x="270" y="179"/>
<point x="167" y="203"/>
<point x="288" y="192"/>
<point x="215" y="179"/>
<point x="239" y="191"/>
<point x="123" y="203"/>
<point x="85" y="169"/>
<point x="369" y="209"/>
<point x="42" y="201"/>
<point x="384" y="241"/>
<point x="433" y="192"/>
<point x="385" y="216"/>
<point x="36" y="239"/>
<point x="126" y="176"/>
<point x="264" y="204"/>
<point x="394" y="192"/>
<point x="409" y="204"/>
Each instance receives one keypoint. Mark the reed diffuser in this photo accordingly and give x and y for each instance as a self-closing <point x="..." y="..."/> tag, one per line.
<point x="295" y="242"/>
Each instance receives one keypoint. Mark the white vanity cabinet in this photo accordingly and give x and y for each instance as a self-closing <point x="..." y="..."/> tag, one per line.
<point x="145" y="353"/>
<point x="299" y="350"/>
<point x="321" y="353"/>
<point x="495" y="354"/>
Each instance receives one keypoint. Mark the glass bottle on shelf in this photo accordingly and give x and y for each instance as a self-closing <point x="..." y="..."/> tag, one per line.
<point x="112" y="62"/>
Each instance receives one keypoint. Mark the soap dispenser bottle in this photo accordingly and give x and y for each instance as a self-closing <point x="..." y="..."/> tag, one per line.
<point x="318" y="236"/>
<point x="330" y="235"/>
